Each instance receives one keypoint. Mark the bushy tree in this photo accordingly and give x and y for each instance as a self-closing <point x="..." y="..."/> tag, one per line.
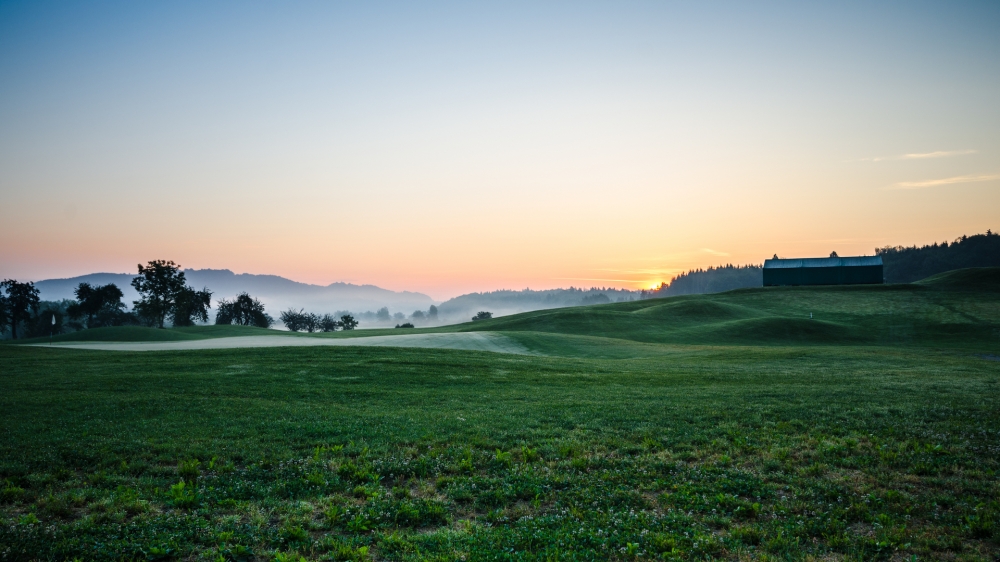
<point x="159" y="283"/>
<point x="244" y="310"/>
<point x="300" y="321"/>
<point x="21" y="300"/>
<point x="417" y="315"/>
<point x="382" y="314"/>
<point x="191" y="306"/>
<point x="482" y="315"/>
<point x="432" y="313"/>
<point x="101" y="305"/>
<point x="347" y="322"/>
<point x="405" y="325"/>
<point x="327" y="323"/>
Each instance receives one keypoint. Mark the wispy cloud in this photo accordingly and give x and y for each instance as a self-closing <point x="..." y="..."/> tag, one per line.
<point x="943" y="181"/>
<point x="597" y="279"/>
<point x="921" y="155"/>
<point x="937" y="154"/>
<point x="714" y="252"/>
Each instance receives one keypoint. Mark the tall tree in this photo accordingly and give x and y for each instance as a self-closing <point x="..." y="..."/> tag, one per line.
<point x="159" y="283"/>
<point x="21" y="299"/>
<point x="191" y="306"/>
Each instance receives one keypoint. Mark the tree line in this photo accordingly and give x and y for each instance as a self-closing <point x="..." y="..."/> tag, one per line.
<point x="908" y="264"/>
<point x="164" y="295"/>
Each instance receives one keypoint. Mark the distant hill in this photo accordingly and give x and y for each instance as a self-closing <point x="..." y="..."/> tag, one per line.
<point x="506" y="302"/>
<point x="277" y="293"/>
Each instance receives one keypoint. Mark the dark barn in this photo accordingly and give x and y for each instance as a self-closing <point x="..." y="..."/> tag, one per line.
<point x="860" y="270"/>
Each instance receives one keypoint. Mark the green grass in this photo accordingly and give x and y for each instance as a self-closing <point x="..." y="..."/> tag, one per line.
<point x="959" y="308"/>
<point x="873" y="439"/>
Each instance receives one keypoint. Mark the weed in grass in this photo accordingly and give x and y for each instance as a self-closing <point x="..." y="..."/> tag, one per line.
<point x="10" y="493"/>
<point x="189" y="470"/>
<point x="183" y="495"/>
<point x="529" y="455"/>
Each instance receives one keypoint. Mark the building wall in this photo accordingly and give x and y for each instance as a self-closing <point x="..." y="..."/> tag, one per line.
<point x="849" y="275"/>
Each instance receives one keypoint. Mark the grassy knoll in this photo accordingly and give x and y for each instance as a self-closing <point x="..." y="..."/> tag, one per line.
<point x="960" y="308"/>
<point x="616" y="445"/>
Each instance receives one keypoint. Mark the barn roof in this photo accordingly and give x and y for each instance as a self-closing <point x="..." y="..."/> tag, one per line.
<point x="855" y="261"/>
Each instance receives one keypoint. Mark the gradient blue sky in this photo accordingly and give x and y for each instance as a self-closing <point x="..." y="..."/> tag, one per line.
<point x="455" y="147"/>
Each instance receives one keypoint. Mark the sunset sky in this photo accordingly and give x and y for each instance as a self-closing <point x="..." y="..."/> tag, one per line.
<point x="455" y="147"/>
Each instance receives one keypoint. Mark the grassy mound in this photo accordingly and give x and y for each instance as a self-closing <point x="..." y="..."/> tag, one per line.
<point x="970" y="279"/>
<point x="781" y="330"/>
<point x="695" y="311"/>
<point x="959" y="308"/>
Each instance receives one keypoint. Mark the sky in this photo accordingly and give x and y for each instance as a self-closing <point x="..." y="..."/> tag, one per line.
<point x="455" y="147"/>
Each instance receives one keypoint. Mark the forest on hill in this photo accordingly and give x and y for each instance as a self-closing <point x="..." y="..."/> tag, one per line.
<point x="900" y="265"/>
<point x="909" y="264"/>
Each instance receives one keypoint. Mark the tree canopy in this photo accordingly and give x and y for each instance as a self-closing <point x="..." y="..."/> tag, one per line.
<point x="191" y="306"/>
<point x="159" y="283"/>
<point x="905" y="265"/>
<point x="347" y="322"/>
<point x="243" y="310"/>
<point x="101" y="305"/>
<point x="21" y="299"/>
<point x="482" y="315"/>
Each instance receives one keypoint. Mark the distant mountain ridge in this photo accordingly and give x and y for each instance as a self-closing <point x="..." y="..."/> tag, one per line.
<point x="277" y="293"/>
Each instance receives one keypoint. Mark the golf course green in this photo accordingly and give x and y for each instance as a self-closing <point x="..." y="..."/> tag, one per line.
<point x="798" y="423"/>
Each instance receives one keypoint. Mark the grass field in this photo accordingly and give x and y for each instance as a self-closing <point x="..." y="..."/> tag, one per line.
<point x="725" y="426"/>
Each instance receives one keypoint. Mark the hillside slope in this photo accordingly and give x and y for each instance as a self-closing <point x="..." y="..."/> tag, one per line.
<point x="959" y="308"/>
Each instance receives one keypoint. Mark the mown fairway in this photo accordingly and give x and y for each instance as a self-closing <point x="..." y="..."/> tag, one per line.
<point x="730" y="427"/>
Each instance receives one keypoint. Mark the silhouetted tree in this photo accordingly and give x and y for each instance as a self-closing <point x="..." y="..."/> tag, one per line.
<point x="347" y="322"/>
<point x="417" y="315"/>
<point x="300" y="321"/>
<point x="244" y="310"/>
<point x="20" y="300"/>
<point x="405" y="325"/>
<point x="432" y="312"/>
<point x="293" y="320"/>
<point x="382" y="314"/>
<point x="159" y="283"/>
<point x="102" y="305"/>
<point x="191" y="306"/>
<point x="4" y="314"/>
<point x="482" y="315"/>
<point x="905" y="265"/>
<point x="327" y="323"/>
